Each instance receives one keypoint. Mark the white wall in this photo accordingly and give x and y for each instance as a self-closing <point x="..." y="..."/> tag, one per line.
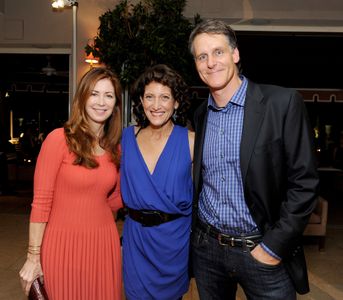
<point x="27" y="22"/>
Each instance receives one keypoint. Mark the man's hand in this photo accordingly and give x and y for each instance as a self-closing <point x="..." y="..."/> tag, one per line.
<point x="264" y="257"/>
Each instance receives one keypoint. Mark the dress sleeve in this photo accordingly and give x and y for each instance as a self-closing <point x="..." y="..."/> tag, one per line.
<point x="48" y="164"/>
<point x="114" y="199"/>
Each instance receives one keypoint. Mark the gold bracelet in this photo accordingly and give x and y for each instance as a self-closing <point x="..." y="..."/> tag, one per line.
<point x="33" y="253"/>
<point x="34" y="250"/>
<point x="33" y="246"/>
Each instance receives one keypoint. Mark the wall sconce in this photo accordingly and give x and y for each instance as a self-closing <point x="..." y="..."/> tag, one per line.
<point x="90" y="59"/>
<point x="63" y="3"/>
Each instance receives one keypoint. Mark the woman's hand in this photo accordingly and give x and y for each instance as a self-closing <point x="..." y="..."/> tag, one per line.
<point x="29" y="272"/>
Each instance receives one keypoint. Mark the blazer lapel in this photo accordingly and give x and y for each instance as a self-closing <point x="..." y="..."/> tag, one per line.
<point x="200" y="130"/>
<point x="253" y="116"/>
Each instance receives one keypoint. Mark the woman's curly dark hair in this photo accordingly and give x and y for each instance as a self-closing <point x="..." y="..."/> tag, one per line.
<point x="164" y="75"/>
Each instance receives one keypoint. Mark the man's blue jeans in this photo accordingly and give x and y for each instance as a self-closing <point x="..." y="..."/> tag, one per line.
<point x="218" y="269"/>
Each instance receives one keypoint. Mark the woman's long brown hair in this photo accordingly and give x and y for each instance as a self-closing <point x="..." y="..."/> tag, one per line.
<point x="80" y="138"/>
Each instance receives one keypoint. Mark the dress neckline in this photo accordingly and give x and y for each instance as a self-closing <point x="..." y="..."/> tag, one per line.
<point x="161" y="154"/>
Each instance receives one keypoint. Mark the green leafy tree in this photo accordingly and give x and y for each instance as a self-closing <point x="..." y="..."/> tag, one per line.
<point x="133" y="37"/>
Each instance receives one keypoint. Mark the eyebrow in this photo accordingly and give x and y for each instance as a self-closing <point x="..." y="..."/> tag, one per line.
<point x="215" y="49"/>
<point x="106" y="92"/>
<point x="162" y="94"/>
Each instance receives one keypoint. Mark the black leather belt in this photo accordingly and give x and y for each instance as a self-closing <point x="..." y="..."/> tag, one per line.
<point x="249" y="241"/>
<point x="151" y="217"/>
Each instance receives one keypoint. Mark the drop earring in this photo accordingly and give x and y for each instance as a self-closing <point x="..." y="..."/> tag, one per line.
<point x="174" y="116"/>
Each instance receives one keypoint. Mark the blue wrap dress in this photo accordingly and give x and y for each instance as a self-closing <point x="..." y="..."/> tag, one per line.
<point x="155" y="259"/>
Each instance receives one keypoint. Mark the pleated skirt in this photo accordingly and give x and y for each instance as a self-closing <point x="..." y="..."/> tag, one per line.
<point x="82" y="264"/>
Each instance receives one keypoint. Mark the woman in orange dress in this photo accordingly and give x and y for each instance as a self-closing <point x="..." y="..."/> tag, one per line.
<point x="73" y="238"/>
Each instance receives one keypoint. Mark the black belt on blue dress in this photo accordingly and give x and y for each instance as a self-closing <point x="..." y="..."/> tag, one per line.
<point x="249" y="241"/>
<point x="151" y="217"/>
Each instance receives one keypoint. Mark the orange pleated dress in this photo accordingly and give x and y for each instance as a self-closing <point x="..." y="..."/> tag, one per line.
<point x="80" y="253"/>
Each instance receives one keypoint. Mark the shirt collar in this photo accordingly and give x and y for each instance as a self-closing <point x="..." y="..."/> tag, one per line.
<point x="237" y="99"/>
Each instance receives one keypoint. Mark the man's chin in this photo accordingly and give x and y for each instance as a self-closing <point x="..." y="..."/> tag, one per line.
<point x="215" y="86"/>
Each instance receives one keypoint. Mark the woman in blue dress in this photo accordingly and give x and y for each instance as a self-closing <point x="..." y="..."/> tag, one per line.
<point x="157" y="188"/>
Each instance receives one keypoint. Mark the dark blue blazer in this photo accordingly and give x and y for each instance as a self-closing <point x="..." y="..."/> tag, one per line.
<point x="278" y="169"/>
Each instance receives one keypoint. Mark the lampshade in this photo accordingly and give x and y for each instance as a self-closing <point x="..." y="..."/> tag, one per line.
<point x="91" y="59"/>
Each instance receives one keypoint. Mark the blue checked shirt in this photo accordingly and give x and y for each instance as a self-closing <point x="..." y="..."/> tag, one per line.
<point x="221" y="202"/>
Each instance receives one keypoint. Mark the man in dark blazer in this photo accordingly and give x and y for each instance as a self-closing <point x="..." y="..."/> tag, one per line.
<point x="255" y="178"/>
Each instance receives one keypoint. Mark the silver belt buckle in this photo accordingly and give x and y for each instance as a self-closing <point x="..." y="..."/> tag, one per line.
<point x="230" y="238"/>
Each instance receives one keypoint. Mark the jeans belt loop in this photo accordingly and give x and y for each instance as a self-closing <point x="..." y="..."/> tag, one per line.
<point x="244" y="245"/>
<point x="220" y="239"/>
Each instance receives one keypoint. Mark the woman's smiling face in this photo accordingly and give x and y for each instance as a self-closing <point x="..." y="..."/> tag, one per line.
<point x="101" y="102"/>
<point x="158" y="104"/>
